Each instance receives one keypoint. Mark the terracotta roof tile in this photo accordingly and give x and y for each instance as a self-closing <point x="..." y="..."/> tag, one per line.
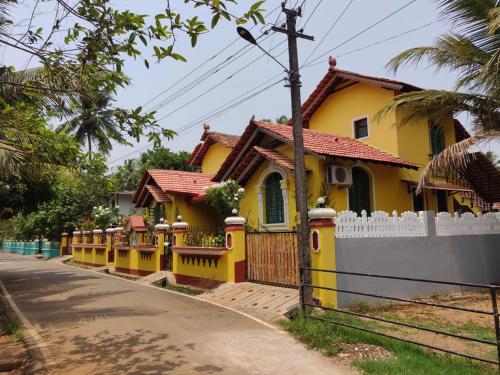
<point x="209" y="138"/>
<point x="276" y="157"/>
<point x="334" y="145"/>
<point x="335" y="76"/>
<point x="158" y="194"/>
<point x="314" y="143"/>
<point x="180" y="182"/>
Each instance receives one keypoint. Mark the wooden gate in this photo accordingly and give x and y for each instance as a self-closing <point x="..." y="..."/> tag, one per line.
<point x="273" y="258"/>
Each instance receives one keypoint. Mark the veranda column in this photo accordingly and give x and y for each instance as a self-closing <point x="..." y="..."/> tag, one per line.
<point x="161" y="246"/>
<point x="322" y="242"/>
<point x="235" y="244"/>
<point x="178" y="240"/>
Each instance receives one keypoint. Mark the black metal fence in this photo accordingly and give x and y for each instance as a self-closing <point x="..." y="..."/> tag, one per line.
<point x="492" y="289"/>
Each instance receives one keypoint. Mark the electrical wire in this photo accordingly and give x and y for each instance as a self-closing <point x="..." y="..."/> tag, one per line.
<point x="312" y="13"/>
<point x="364" y="30"/>
<point x="376" y="43"/>
<point x="219" y="111"/>
<point x="328" y="32"/>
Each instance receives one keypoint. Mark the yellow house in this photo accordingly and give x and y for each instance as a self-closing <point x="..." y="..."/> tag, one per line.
<point x="358" y="163"/>
<point x="355" y="161"/>
<point x="168" y="194"/>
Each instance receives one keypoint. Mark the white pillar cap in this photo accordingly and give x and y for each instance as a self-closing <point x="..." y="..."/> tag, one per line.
<point x="180" y="225"/>
<point x="322" y="213"/>
<point x="162" y="226"/>
<point x="97" y="231"/>
<point x="86" y="232"/>
<point x="110" y="230"/>
<point x="235" y="220"/>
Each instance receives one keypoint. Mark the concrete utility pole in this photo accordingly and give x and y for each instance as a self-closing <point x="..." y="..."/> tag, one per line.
<point x="301" y="219"/>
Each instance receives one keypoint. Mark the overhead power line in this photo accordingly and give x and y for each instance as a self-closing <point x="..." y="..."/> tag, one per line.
<point x="219" y="111"/>
<point x="312" y="13"/>
<point x="376" y="43"/>
<point x="329" y="31"/>
<point x="364" y="30"/>
<point x="205" y="62"/>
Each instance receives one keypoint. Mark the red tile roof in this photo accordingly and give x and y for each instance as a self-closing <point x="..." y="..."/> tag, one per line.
<point x="180" y="182"/>
<point x="276" y="157"/>
<point x="314" y="143"/>
<point x="254" y="158"/>
<point x="137" y="222"/>
<point x="157" y="194"/>
<point x="162" y="181"/>
<point x="334" y="77"/>
<point x="209" y="138"/>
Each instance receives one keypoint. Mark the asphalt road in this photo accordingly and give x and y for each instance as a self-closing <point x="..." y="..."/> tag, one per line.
<point x="95" y="324"/>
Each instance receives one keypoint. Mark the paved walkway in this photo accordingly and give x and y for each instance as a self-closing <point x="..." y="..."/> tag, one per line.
<point x="265" y="302"/>
<point x="94" y="324"/>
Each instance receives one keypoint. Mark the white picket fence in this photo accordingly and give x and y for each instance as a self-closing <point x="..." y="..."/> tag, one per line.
<point x="410" y="224"/>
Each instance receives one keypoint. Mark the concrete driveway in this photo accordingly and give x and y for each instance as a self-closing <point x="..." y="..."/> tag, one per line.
<point x="94" y="324"/>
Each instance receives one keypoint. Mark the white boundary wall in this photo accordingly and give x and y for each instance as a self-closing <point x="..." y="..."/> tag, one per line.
<point x="411" y="224"/>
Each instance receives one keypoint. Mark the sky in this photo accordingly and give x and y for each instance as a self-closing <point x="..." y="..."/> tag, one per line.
<point x="185" y="111"/>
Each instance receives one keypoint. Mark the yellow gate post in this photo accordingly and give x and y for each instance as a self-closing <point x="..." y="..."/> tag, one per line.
<point x="235" y="244"/>
<point x="109" y="237"/>
<point x="64" y="244"/>
<point x="322" y="240"/>
<point x="87" y="255"/>
<point x="179" y="229"/>
<point x="161" y="230"/>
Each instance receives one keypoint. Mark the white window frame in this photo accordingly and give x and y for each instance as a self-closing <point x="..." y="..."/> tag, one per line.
<point x="260" y="199"/>
<point x="367" y="126"/>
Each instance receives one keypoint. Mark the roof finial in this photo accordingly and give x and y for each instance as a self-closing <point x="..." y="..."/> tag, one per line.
<point x="206" y="127"/>
<point x="332" y="61"/>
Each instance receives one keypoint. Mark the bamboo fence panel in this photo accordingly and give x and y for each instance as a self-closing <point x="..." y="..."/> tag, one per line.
<point x="273" y="258"/>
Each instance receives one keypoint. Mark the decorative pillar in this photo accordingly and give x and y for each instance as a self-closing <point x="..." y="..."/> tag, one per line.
<point x="86" y="256"/>
<point x="235" y="244"/>
<point x="110" y="259"/>
<point x="64" y="244"/>
<point x="161" y="246"/>
<point x="323" y="255"/>
<point x="179" y="229"/>
<point x="98" y="258"/>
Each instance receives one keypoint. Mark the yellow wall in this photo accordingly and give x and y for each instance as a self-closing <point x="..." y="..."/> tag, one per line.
<point x="214" y="157"/>
<point x="339" y="110"/>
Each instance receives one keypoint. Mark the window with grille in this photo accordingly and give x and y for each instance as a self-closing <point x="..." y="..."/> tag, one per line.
<point x="157" y="213"/>
<point x="274" y="199"/>
<point x="437" y="139"/>
<point x="361" y="128"/>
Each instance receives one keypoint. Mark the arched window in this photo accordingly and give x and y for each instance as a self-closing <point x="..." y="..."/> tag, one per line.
<point x="360" y="191"/>
<point x="274" y="199"/>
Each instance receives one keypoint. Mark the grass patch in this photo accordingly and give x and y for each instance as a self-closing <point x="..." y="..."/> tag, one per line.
<point x="470" y="328"/>
<point x="184" y="289"/>
<point x="8" y="325"/>
<point x="408" y="358"/>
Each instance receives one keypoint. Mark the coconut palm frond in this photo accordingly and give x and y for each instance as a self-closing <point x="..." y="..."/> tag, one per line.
<point x="455" y="158"/>
<point x="494" y="21"/>
<point x="438" y="105"/>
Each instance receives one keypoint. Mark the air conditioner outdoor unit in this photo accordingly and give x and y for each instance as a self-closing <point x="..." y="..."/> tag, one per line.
<point x="338" y="175"/>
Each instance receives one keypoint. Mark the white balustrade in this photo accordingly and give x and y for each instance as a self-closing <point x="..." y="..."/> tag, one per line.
<point x="411" y="224"/>
<point x="379" y="224"/>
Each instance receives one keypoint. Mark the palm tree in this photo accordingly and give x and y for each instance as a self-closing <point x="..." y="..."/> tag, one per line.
<point x="472" y="51"/>
<point x="94" y="121"/>
<point x="493" y="158"/>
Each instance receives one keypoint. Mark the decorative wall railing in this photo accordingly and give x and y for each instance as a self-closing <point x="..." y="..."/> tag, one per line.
<point x="410" y="224"/>
<point x="379" y="224"/>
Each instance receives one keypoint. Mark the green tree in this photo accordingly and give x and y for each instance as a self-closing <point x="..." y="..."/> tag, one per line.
<point x="98" y="37"/>
<point x="493" y="158"/>
<point x="94" y="121"/>
<point x="128" y="175"/>
<point x="283" y="119"/>
<point x="472" y="51"/>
